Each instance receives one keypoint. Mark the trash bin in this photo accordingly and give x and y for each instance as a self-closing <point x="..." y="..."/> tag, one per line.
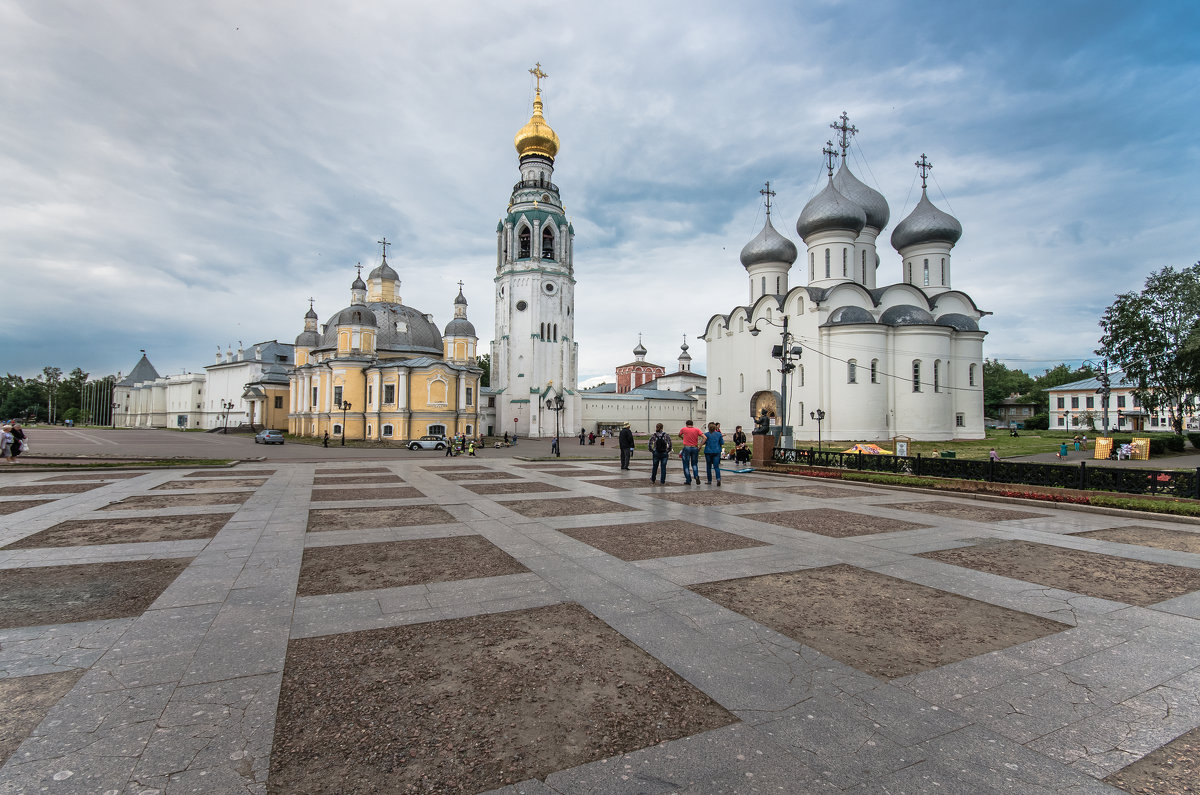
<point x="947" y="454"/>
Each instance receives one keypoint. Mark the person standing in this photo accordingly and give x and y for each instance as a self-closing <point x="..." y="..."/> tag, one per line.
<point x="6" y="444"/>
<point x="714" y="444"/>
<point x="660" y="452"/>
<point x="625" y="438"/>
<point x="690" y="454"/>
<point x="582" y="436"/>
<point x="471" y="448"/>
<point x="506" y="437"/>
<point x="739" y="445"/>
<point x="993" y="455"/>
<point x="325" y="439"/>
<point x="554" y="446"/>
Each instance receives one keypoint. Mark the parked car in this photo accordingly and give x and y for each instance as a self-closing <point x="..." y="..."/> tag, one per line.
<point x="429" y="443"/>
<point x="269" y="437"/>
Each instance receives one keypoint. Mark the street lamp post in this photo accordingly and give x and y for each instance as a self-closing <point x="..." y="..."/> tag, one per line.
<point x="226" y="407"/>
<point x="112" y="418"/>
<point x="819" y="416"/>
<point x="1105" y="387"/>
<point x="787" y="354"/>
<point x="344" y="406"/>
<point x="556" y="404"/>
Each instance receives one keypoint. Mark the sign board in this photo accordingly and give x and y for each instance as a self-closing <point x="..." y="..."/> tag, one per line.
<point x="902" y="448"/>
<point x="1141" y="449"/>
<point x="1103" y="449"/>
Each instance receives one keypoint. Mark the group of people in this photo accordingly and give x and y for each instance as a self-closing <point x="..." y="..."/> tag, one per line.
<point x="693" y="440"/>
<point x="460" y="443"/>
<point x="12" y="442"/>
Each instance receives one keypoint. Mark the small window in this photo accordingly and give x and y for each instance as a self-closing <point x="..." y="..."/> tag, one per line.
<point x="971" y="377"/>
<point x="777" y="285"/>
<point x="874" y="371"/>
<point x="826" y="263"/>
<point x="916" y="375"/>
<point x="523" y="243"/>
<point x="1062" y="403"/>
<point x="845" y="254"/>
<point x="1075" y="402"/>
<point x="1120" y="402"/>
<point x="387" y="430"/>
<point x="812" y="266"/>
<point x="278" y="402"/>
<point x="943" y="270"/>
<point x="1062" y="421"/>
<point x="370" y="394"/>
<point x="389" y="393"/>
<point x="491" y="402"/>
<point x="718" y="386"/>
<point x="926" y="273"/>
<point x="741" y="382"/>
<point x="522" y="306"/>
<point x="314" y="396"/>
<point x="764" y="285"/>
<point x="470" y="398"/>
<point x="1091" y="402"/>
<point x="960" y="420"/>
<point x="337" y="429"/>
<point x="909" y="279"/>
<point x="852" y="372"/>
<point x="937" y="376"/>
<point x="337" y="396"/>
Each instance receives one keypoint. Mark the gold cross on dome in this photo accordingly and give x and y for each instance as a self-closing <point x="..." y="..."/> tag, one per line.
<point x="538" y="74"/>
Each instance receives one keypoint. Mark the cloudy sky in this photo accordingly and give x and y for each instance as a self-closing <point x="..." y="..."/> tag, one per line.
<point x="180" y="176"/>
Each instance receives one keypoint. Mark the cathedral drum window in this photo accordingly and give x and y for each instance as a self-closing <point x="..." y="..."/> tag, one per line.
<point x="522" y="306"/>
<point x="549" y="288"/>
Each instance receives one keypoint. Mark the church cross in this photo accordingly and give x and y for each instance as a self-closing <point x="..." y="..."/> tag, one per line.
<point x="310" y="302"/>
<point x="830" y="156"/>
<point x="924" y="167"/>
<point x="460" y="285"/>
<point x="385" y="244"/>
<point x="538" y="74"/>
<point x="358" y="268"/>
<point x="768" y="193"/>
<point x="846" y="131"/>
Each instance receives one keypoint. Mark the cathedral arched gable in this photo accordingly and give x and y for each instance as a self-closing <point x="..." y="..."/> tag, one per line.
<point x="848" y="294"/>
<point x="717" y="321"/>
<point x="901" y="294"/>
<point x="956" y="301"/>
<point x="793" y="302"/>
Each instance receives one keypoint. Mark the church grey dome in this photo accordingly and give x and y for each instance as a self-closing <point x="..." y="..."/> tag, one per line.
<point x="872" y="201"/>
<point x="400" y="328"/>
<point x="640" y="350"/>
<point x="847" y="315"/>
<point x="384" y="271"/>
<point x="308" y="339"/>
<point x="357" y="315"/>
<point x="926" y="224"/>
<point x="460" y="327"/>
<point x="768" y="246"/>
<point x="905" y="315"/>
<point x="460" y="298"/>
<point x="830" y="210"/>
<point x="311" y="314"/>
<point x="358" y="283"/>
<point x="958" y="322"/>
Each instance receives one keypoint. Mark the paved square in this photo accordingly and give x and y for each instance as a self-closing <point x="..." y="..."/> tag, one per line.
<point x="571" y="637"/>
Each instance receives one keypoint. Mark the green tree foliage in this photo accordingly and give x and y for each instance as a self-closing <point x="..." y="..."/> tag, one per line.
<point x="1000" y="382"/>
<point x="22" y="398"/>
<point x="1154" y="336"/>
<point x="485" y="361"/>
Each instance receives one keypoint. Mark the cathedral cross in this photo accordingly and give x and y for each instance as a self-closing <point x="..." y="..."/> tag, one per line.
<point x="830" y="156"/>
<point x="538" y="74"/>
<point x="460" y="285"/>
<point x="385" y="244"/>
<point x="358" y="268"/>
<point x="924" y="167"/>
<point x="310" y="302"/>
<point x="846" y="131"/>
<point x="768" y="193"/>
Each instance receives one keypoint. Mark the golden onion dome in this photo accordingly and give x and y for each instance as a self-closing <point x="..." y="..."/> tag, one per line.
<point x="536" y="137"/>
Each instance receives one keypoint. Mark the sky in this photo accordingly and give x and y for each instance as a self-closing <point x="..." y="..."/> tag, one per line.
<point x="180" y="176"/>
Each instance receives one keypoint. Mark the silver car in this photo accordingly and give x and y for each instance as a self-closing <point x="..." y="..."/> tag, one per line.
<point x="429" y="443"/>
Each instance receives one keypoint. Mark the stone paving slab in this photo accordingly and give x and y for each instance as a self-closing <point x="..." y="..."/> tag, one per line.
<point x="182" y="696"/>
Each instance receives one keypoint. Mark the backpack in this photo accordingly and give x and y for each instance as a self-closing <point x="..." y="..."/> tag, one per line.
<point x="661" y="444"/>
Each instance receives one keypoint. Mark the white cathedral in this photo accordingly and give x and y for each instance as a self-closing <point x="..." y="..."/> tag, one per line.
<point x="871" y="362"/>
<point x="535" y="375"/>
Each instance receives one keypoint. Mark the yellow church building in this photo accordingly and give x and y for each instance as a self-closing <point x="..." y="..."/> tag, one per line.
<point x="380" y="370"/>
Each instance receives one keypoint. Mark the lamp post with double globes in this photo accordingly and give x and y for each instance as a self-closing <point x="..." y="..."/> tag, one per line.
<point x="1102" y="376"/>
<point x="226" y="407"/>
<point x="112" y="418"/>
<point x="556" y="404"/>
<point x="787" y="353"/>
<point x="819" y="416"/>
<point x="344" y="406"/>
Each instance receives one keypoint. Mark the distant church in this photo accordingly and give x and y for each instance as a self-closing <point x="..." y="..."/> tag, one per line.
<point x="535" y="356"/>
<point x="876" y="362"/>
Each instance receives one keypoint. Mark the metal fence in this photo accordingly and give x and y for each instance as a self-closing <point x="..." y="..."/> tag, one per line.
<point x="1172" y="483"/>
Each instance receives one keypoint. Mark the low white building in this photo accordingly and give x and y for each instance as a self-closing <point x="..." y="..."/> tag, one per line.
<point x="1079" y="405"/>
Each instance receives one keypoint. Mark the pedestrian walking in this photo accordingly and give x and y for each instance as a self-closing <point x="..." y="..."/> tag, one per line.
<point x="992" y="455"/>
<point x="1062" y="450"/>
<point x="740" y="453"/>
<point x="625" y="438"/>
<point x="471" y="449"/>
<point x="714" y="445"/>
<point x="325" y="439"/>
<point x="449" y="448"/>
<point x="582" y="436"/>
<point x="6" y="443"/>
<point x="690" y="454"/>
<point x="660" y="451"/>
<point x="592" y="437"/>
<point x="506" y="437"/>
<point x="554" y="446"/>
<point x="19" y="444"/>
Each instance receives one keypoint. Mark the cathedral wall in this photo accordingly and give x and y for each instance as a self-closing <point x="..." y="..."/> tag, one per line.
<point x="929" y="413"/>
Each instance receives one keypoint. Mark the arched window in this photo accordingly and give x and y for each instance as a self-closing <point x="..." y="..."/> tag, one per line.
<point x="943" y="270"/>
<point x="776" y="285"/>
<point x="812" y="266"/>
<point x="826" y="263"/>
<point x="909" y="279"/>
<point x="368" y="430"/>
<point x="927" y="273"/>
<point x="547" y="244"/>
<point x="764" y="286"/>
<point x="541" y="331"/>
<point x="337" y="429"/>
<point x="864" y="266"/>
<point x="523" y="243"/>
<point x="741" y="382"/>
<point x="852" y="372"/>
<point x="971" y="375"/>
<point x="468" y="430"/>
<point x="916" y="381"/>
<point x="874" y="371"/>
<point x="718" y="386"/>
<point x="556" y="332"/>
<point x="937" y="376"/>
<point x="845" y="254"/>
<point x="799" y="375"/>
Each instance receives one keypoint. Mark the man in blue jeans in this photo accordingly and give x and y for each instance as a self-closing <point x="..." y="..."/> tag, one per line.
<point x="660" y="449"/>
<point x="714" y="445"/>
<point x="692" y="439"/>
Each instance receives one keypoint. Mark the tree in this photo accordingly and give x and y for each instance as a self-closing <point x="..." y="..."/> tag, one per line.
<point x="53" y="377"/>
<point x="999" y="382"/>
<point x="1152" y="337"/>
<point x="485" y="361"/>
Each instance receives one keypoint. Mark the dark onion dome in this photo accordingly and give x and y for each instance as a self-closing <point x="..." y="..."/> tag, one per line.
<point x="311" y="314"/>
<point x="926" y="224"/>
<point x="849" y="315"/>
<point x="308" y="339"/>
<point x="640" y="350"/>
<point x="958" y="322"/>
<point x="356" y="315"/>
<point x="460" y="298"/>
<point x="401" y="329"/>
<point x="358" y="283"/>
<point x="460" y="327"/>
<point x="384" y="271"/>
<point x="830" y="210"/>
<point x="768" y="246"/>
<point x="905" y="315"/>
<point x="866" y="197"/>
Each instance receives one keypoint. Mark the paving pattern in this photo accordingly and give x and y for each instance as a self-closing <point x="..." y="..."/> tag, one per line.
<point x="181" y="694"/>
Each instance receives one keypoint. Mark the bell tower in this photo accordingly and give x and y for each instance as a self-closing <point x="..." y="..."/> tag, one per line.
<point x="535" y="355"/>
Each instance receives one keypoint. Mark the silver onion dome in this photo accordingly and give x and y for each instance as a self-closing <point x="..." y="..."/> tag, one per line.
<point x="460" y="327"/>
<point x="926" y="224"/>
<point x="906" y="315"/>
<point x="308" y="339"/>
<point x="384" y="271"/>
<point x="830" y="210"/>
<point x="358" y="284"/>
<point x="958" y="322"/>
<point x="311" y="314"/>
<point x="849" y="315"/>
<point x="768" y="246"/>
<point x="866" y="197"/>
<point x="640" y="350"/>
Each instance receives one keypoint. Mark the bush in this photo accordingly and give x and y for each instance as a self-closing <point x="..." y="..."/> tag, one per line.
<point x="1194" y="438"/>
<point x="1158" y="445"/>
<point x="1153" y="506"/>
<point x="1174" y="443"/>
<point x="1038" y="422"/>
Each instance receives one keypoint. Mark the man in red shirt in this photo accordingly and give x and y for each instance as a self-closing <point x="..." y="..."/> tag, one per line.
<point x="692" y="438"/>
